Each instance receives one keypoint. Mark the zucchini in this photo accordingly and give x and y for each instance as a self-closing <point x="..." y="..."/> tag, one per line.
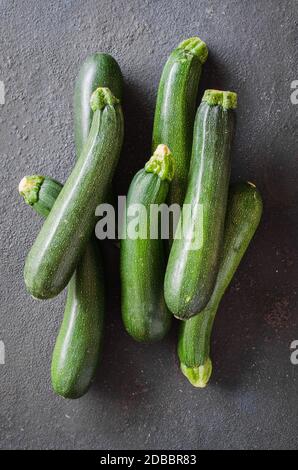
<point x="191" y="271"/>
<point x="175" y="109"/>
<point x="77" y="349"/>
<point x="243" y="216"/>
<point x="144" y="312"/>
<point x="98" y="70"/>
<point x="66" y="231"/>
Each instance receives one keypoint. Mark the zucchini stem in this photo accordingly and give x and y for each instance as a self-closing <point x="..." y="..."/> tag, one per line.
<point x="196" y="46"/>
<point x="29" y="188"/>
<point x="226" y="99"/>
<point x="161" y="163"/>
<point x="101" y="98"/>
<point x="40" y="192"/>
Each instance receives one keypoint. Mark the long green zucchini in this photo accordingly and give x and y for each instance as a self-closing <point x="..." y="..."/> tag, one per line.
<point x="65" y="233"/>
<point x="78" y="346"/>
<point x="175" y="109"/>
<point x="98" y="70"/>
<point x="192" y="270"/>
<point x="243" y="215"/>
<point x="144" y="312"/>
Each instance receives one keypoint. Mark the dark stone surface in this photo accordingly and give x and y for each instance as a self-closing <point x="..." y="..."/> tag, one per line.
<point x="140" y="399"/>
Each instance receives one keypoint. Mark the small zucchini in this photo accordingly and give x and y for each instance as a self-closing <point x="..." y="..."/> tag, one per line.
<point x="144" y="312"/>
<point x="98" y="70"/>
<point x="78" y="346"/>
<point x="243" y="216"/>
<point x="66" y="231"/>
<point x="191" y="271"/>
<point x="175" y="109"/>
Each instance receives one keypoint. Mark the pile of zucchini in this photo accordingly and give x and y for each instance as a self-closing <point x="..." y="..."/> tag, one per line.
<point x="190" y="164"/>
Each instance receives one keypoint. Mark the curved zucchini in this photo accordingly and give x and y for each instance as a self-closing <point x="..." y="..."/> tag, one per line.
<point x="144" y="312"/>
<point x="65" y="233"/>
<point x="175" y="109"/>
<point x="77" y="350"/>
<point x="192" y="270"/>
<point x="98" y="70"/>
<point x="243" y="216"/>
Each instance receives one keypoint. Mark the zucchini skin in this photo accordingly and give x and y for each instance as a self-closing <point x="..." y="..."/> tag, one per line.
<point x="98" y="70"/>
<point x="144" y="311"/>
<point x="191" y="273"/>
<point x="65" y="233"/>
<point x="48" y="193"/>
<point x="175" y="109"/>
<point x="243" y="216"/>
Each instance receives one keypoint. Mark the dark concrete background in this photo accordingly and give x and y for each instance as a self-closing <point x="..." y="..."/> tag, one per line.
<point x="140" y="399"/>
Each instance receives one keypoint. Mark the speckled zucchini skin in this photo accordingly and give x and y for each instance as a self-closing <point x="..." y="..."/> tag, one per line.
<point x="65" y="233"/>
<point x="243" y="216"/>
<point x="191" y="273"/>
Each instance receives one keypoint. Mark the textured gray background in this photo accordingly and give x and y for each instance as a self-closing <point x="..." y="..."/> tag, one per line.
<point x="140" y="399"/>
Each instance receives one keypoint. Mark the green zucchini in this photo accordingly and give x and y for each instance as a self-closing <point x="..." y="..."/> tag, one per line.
<point x="66" y="231"/>
<point x="144" y="312"/>
<point x="175" y="109"/>
<point x="77" y="349"/>
<point x="98" y="70"/>
<point x="243" y="216"/>
<point x="192" y="270"/>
